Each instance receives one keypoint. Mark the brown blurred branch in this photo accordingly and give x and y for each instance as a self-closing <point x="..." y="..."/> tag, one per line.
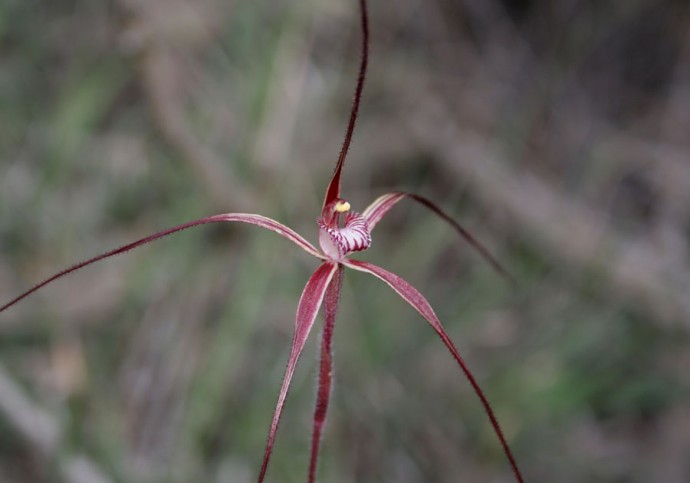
<point x="163" y="32"/>
<point x="288" y="76"/>
<point x="638" y="270"/>
<point x="41" y="431"/>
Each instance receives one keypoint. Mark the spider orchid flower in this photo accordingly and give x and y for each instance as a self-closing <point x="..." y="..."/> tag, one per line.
<point x="342" y="232"/>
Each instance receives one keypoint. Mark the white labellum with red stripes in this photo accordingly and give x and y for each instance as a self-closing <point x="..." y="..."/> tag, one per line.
<point x="338" y="241"/>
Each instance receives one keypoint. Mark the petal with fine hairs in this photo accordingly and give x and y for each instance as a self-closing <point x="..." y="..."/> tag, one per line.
<point x="258" y="220"/>
<point x="380" y="206"/>
<point x="413" y="297"/>
<point x="308" y="308"/>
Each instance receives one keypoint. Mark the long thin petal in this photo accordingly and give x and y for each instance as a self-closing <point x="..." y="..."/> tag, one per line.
<point x="309" y="304"/>
<point x="325" y="369"/>
<point x="258" y="220"/>
<point x="376" y="210"/>
<point x="333" y="190"/>
<point x="412" y="296"/>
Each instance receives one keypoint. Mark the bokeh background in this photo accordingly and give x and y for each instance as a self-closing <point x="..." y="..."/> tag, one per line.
<point x="557" y="131"/>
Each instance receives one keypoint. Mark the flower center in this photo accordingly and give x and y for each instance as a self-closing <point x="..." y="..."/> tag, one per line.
<point x="338" y="241"/>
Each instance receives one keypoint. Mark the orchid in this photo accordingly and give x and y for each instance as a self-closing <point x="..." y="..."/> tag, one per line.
<point x="342" y="232"/>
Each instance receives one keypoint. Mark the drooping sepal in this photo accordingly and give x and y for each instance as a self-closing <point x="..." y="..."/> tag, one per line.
<point x="323" y="394"/>
<point x="252" y="219"/>
<point x="307" y="309"/>
<point x="413" y="297"/>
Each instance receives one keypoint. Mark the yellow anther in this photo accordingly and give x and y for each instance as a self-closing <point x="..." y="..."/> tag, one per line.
<point x="342" y="206"/>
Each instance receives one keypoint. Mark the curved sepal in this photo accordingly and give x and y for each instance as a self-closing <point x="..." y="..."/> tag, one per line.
<point x="308" y="308"/>
<point x="413" y="297"/>
<point x="380" y="206"/>
<point x="330" y="307"/>
<point x="252" y="219"/>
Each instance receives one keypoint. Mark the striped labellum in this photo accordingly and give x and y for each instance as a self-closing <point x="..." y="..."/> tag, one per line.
<point x="338" y="241"/>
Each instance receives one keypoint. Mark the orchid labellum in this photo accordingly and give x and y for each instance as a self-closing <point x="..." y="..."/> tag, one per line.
<point x="342" y="232"/>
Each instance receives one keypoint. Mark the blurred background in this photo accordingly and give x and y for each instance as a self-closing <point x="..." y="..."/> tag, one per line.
<point x="556" y="131"/>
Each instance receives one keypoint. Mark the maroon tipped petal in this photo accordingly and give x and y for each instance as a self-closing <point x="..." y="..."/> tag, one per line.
<point x="258" y="220"/>
<point x="309" y="304"/>
<point x="325" y="370"/>
<point x="333" y="190"/>
<point x="376" y="210"/>
<point x="412" y="296"/>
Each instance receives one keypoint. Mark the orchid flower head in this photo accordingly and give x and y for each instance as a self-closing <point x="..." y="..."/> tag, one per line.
<point x="339" y="241"/>
<point x="342" y="232"/>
